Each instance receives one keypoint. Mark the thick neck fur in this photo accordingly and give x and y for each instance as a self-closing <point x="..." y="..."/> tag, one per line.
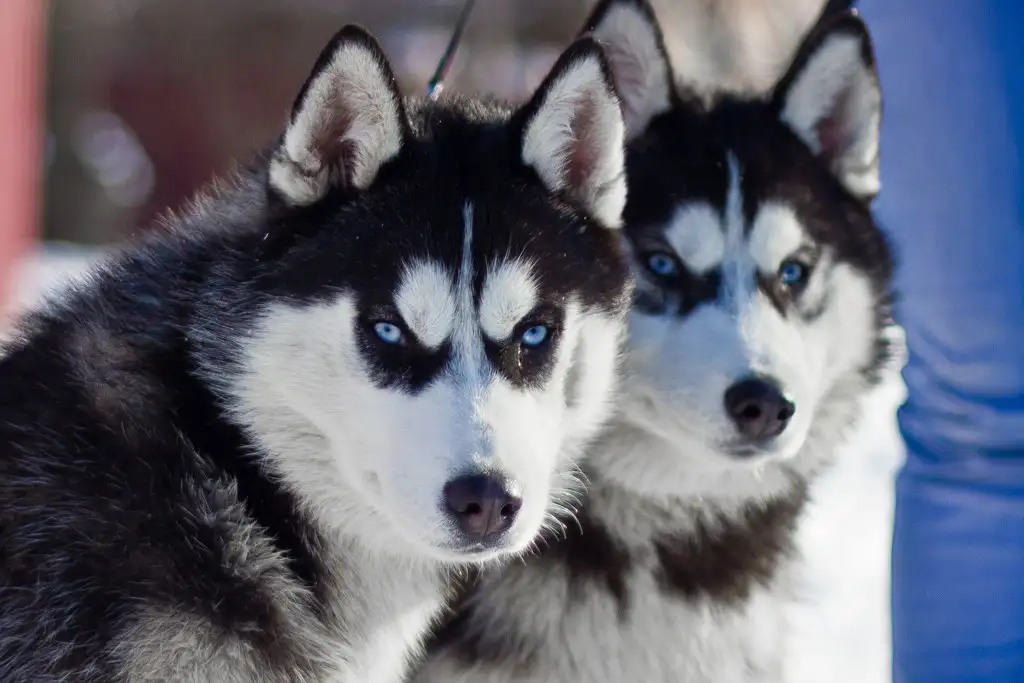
<point x="656" y="578"/>
<point x="717" y="531"/>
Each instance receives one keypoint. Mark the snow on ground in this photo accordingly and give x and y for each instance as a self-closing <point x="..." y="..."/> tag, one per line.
<point x="842" y="630"/>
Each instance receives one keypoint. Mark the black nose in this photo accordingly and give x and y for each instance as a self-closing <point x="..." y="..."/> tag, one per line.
<point x="759" y="408"/>
<point x="482" y="506"/>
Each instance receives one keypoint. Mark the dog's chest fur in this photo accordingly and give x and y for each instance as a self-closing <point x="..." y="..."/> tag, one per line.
<point x="386" y="611"/>
<point x="687" y="598"/>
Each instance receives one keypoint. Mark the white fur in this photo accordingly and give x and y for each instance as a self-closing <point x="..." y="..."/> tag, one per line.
<point x="509" y="294"/>
<point x="426" y="302"/>
<point x="638" y="64"/>
<point x="370" y="463"/>
<point x="588" y="640"/>
<point x="775" y="235"/>
<point x="661" y="468"/>
<point x="695" y="233"/>
<point x="350" y="102"/>
<point x="677" y="370"/>
<point x="357" y="452"/>
<point x="579" y="124"/>
<point x="836" y="84"/>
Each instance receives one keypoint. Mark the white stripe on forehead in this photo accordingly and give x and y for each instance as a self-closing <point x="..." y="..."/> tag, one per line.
<point x="775" y="234"/>
<point x="509" y="293"/>
<point x="695" y="234"/>
<point x="426" y="302"/>
<point x="466" y="338"/>
<point x="737" y="284"/>
<point x="733" y="214"/>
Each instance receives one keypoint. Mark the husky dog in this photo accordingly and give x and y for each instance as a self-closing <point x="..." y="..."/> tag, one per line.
<point x="758" y="327"/>
<point x="257" y="446"/>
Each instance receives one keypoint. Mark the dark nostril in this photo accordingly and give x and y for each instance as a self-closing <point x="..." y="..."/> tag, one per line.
<point x="511" y="508"/>
<point x="758" y="408"/>
<point x="750" y="412"/>
<point x="482" y="506"/>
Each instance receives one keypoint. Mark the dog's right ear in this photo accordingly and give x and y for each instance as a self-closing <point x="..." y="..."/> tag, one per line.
<point x="572" y="134"/>
<point x="633" y="44"/>
<point x="347" y="121"/>
<point x="831" y="98"/>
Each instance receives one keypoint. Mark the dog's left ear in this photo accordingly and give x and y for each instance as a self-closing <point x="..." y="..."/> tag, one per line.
<point x="832" y="100"/>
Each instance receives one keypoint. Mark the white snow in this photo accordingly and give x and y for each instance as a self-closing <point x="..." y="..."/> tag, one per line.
<point x="842" y="631"/>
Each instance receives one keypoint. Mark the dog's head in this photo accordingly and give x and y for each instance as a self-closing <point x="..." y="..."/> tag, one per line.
<point x="442" y="294"/>
<point x="762" y="280"/>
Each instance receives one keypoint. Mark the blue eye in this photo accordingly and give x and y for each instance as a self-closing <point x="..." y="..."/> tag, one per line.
<point x="388" y="333"/>
<point x="662" y="264"/>
<point x="792" y="273"/>
<point x="535" y="336"/>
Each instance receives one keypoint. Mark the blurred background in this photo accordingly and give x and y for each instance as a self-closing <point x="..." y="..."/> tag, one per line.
<point x="146" y="99"/>
<point x="123" y="108"/>
<point x="115" y="110"/>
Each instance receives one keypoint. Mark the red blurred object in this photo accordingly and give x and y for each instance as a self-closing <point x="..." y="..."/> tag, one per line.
<point x="21" y="144"/>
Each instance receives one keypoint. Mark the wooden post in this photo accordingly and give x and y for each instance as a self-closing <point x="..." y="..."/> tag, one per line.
<point x="22" y="38"/>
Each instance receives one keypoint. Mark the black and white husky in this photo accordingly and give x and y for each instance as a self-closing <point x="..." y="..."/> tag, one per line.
<point x="255" y="447"/>
<point x="758" y="327"/>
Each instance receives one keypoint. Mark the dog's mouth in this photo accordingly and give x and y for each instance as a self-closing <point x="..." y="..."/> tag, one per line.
<point x="746" y="451"/>
<point x="477" y="546"/>
<point x="479" y="550"/>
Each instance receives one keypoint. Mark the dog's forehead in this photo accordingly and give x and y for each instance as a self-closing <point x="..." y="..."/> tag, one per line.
<point x="761" y="229"/>
<point x="711" y="182"/>
<point x="494" y="289"/>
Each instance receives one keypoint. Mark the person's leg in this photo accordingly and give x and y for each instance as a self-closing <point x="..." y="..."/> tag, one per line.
<point x="953" y="81"/>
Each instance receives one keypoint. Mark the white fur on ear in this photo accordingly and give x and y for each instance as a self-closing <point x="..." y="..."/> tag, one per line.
<point x="834" y="104"/>
<point x="574" y="138"/>
<point x="629" y="34"/>
<point x="347" y="122"/>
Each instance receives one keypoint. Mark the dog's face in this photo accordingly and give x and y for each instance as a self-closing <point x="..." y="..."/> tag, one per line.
<point x="445" y="297"/>
<point x="761" y="277"/>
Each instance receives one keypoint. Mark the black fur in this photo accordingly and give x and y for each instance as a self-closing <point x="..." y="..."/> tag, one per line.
<point x="723" y="559"/>
<point x="712" y="560"/>
<point x="460" y="635"/>
<point x="683" y="157"/>
<point x="124" y="482"/>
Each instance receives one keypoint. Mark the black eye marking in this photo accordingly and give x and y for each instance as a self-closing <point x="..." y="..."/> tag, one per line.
<point x="396" y="358"/>
<point x="526" y="356"/>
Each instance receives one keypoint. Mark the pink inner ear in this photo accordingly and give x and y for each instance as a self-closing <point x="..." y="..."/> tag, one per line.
<point x="629" y="78"/>
<point x="833" y="130"/>
<point x="329" y="142"/>
<point x="583" y="149"/>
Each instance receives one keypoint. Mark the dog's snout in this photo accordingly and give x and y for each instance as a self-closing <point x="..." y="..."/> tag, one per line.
<point x="481" y="505"/>
<point x="758" y="408"/>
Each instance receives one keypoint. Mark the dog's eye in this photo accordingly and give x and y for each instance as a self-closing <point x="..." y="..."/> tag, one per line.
<point x="535" y="336"/>
<point x="662" y="264"/>
<point x="389" y="333"/>
<point x="793" y="274"/>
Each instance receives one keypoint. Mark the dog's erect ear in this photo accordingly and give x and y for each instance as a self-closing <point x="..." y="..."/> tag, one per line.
<point x="573" y="135"/>
<point x="347" y="121"/>
<point x="632" y="41"/>
<point x="832" y="100"/>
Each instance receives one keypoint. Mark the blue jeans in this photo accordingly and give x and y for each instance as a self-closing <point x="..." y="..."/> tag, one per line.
<point x="953" y="83"/>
